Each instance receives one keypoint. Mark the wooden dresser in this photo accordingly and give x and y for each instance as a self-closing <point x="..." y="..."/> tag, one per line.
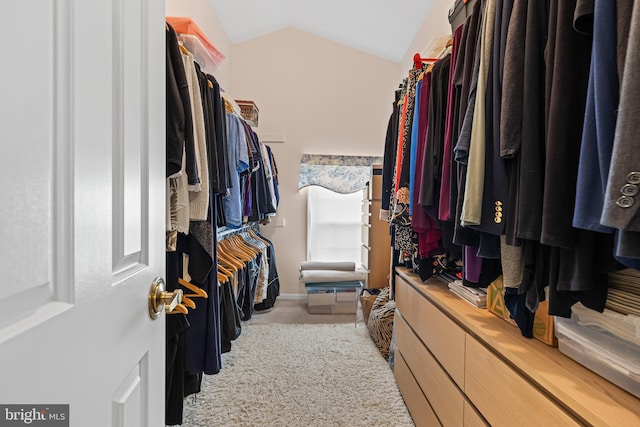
<point x="376" y="241"/>
<point x="457" y="365"/>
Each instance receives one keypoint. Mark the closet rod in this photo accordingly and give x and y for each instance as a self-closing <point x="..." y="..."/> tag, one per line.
<point x="228" y="232"/>
<point x="417" y="60"/>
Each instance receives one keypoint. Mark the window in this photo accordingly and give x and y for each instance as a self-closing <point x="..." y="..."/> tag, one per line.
<point x="333" y="225"/>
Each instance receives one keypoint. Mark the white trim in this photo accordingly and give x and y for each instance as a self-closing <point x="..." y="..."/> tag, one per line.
<point x="272" y="138"/>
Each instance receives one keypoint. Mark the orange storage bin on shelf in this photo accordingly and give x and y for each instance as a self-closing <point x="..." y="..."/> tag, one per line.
<point x="185" y="25"/>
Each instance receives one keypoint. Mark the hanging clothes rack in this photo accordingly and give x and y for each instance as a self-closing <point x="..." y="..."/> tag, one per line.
<point x="418" y="60"/>
<point x="228" y="232"/>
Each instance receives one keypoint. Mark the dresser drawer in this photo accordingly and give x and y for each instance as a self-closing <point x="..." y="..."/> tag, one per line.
<point x="443" y="337"/>
<point x="502" y="396"/>
<point x="472" y="418"/>
<point x="418" y="406"/>
<point x="445" y="398"/>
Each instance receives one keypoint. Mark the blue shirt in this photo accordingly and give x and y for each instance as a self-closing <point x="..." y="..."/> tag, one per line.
<point x="600" y="121"/>
<point x="238" y="163"/>
<point x="414" y="145"/>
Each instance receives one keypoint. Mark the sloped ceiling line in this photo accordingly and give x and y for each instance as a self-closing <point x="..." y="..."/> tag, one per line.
<point x="384" y="28"/>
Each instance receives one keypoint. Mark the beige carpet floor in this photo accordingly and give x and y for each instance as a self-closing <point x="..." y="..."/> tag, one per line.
<point x="291" y="368"/>
<point x="295" y="312"/>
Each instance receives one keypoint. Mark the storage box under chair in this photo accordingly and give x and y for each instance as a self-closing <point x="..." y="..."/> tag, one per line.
<point x="330" y="299"/>
<point x="332" y="287"/>
<point x="543" y="327"/>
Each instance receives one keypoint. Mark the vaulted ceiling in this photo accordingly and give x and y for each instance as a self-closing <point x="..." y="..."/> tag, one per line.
<point x="384" y="28"/>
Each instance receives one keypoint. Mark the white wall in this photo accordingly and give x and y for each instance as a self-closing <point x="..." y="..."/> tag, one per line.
<point x="205" y="17"/>
<point x="327" y="99"/>
<point x="435" y="25"/>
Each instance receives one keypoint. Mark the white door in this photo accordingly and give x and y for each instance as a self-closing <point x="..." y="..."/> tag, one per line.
<point x="81" y="210"/>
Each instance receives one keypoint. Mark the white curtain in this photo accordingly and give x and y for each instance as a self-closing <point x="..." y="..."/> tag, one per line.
<point x="333" y="225"/>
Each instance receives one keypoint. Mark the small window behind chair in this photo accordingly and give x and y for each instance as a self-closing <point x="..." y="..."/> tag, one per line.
<point x="333" y="225"/>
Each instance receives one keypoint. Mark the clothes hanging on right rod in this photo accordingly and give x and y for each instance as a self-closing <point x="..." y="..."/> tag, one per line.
<point x="494" y="168"/>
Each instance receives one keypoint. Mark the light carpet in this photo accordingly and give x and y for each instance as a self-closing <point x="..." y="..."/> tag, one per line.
<point x="300" y="375"/>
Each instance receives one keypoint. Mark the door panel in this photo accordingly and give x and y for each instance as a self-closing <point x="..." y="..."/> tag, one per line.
<point x="82" y="112"/>
<point x="131" y="136"/>
<point x="33" y="163"/>
<point x="34" y="123"/>
<point x="129" y="398"/>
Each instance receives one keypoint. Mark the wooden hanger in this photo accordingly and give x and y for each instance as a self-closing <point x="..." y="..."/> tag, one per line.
<point x="229" y="261"/>
<point x="245" y="246"/>
<point x="253" y="234"/>
<point x="188" y="302"/>
<point x="224" y="271"/>
<point x="179" y="309"/>
<point x="257" y="244"/>
<point x="224" y="258"/>
<point x="242" y="241"/>
<point x="231" y="248"/>
<point x="224" y="275"/>
<point x="222" y="278"/>
<point x="228" y="107"/>
<point x="198" y="292"/>
<point x="183" y="49"/>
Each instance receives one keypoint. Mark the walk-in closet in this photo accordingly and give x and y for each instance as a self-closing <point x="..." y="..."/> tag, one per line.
<point x="320" y="213"/>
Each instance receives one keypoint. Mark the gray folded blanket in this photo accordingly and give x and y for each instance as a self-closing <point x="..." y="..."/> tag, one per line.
<point x="319" y="265"/>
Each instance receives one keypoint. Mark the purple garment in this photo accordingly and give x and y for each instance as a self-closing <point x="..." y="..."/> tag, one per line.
<point x="419" y="219"/>
<point x="428" y="236"/>
<point x="444" y="208"/>
<point x="472" y="264"/>
<point x="248" y="202"/>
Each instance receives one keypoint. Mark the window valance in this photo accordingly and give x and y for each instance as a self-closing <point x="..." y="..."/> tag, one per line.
<point x="342" y="174"/>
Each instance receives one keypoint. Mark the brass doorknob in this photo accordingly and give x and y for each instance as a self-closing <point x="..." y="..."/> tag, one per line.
<point x="161" y="300"/>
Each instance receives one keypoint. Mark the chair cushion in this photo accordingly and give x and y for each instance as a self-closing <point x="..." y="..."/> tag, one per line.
<point x="318" y="265"/>
<point x="315" y="276"/>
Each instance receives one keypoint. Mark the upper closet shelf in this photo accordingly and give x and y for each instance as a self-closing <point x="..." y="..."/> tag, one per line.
<point x="196" y="42"/>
